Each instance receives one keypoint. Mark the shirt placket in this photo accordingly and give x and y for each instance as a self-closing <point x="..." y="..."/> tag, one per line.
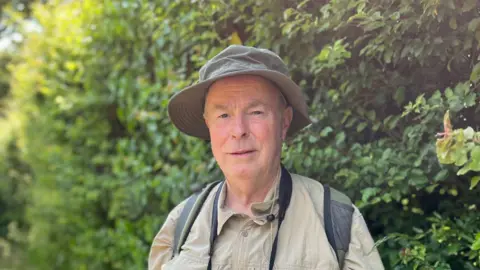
<point x="242" y="246"/>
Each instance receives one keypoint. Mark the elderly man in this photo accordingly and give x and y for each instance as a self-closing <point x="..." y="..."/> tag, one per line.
<point x="260" y="216"/>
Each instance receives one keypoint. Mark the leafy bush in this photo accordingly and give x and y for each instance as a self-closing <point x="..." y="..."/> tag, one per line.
<point x="107" y="165"/>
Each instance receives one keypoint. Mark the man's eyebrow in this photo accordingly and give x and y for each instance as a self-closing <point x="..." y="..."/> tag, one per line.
<point x="219" y="107"/>
<point x="256" y="103"/>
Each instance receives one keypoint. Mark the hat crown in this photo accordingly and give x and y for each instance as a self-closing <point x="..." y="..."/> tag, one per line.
<point x="242" y="58"/>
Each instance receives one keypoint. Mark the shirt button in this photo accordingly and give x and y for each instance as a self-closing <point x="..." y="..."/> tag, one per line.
<point x="244" y="233"/>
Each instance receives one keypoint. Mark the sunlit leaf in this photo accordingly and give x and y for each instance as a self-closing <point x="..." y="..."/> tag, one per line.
<point x="474" y="182"/>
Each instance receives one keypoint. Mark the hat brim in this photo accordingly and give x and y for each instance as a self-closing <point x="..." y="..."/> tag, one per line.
<point x="185" y="108"/>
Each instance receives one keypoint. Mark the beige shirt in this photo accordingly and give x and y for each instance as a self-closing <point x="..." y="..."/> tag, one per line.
<point x="245" y="243"/>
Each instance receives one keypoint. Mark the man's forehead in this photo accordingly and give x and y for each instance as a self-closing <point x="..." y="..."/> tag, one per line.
<point x="251" y="90"/>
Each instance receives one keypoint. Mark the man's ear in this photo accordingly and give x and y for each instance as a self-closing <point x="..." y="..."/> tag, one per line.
<point x="287" y="120"/>
<point x="205" y="119"/>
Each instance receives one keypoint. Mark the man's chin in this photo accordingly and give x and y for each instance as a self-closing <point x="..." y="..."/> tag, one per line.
<point x="241" y="170"/>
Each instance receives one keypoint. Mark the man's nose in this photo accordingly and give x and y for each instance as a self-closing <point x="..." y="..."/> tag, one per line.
<point x="239" y="128"/>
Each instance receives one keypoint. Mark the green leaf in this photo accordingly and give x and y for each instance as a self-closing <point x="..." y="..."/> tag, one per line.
<point x="453" y="192"/>
<point x="358" y="16"/>
<point x="453" y="23"/>
<point x="472" y="26"/>
<point x="431" y="188"/>
<point x="392" y="124"/>
<point x="326" y="131"/>
<point x="417" y="230"/>
<point x="376" y="126"/>
<point x="468" y="133"/>
<point x="418" y="180"/>
<point x="395" y="16"/>
<point x="463" y="170"/>
<point x="400" y="96"/>
<point x="462" y="89"/>
<point x="70" y="65"/>
<point x="476" y="244"/>
<point x="461" y="157"/>
<point x="467" y="44"/>
<point x="371" y="115"/>
<point x="475" y="75"/>
<point x="350" y="122"/>
<point x="387" y="197"/>
<point x="388" y="56"/>
<point x="476" y="155"/>
<point x="417" y="210"/>
<point x="308" y="162"/>
<point x="470" y="100"/>
<point x="287" y="13"/>
<point x="299" y="6"/>
<point x="361" y="67"/>
<point x="474" y="182"/>
<point x="469" y="5"/>
<point x="387" y="153"/>
<point x="340" y="138"/>
<point x="451" y="4"/>
<point x="474" y="164"/>
<point x="442" y="175"/>
<point x="449" y="93"/>
<point x="121" y="114"/>
<point x="368" y="193"/>
<point x="361" y="126"/>
<point x="323" y="56"/>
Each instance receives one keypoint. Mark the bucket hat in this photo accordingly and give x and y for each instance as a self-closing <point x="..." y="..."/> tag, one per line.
<point x="185" y="109"/>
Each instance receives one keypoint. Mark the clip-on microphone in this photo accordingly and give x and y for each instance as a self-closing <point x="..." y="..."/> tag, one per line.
<point x="270" y="217"/>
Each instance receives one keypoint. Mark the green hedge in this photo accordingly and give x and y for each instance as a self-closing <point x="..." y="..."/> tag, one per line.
<point x="105" y="165"/>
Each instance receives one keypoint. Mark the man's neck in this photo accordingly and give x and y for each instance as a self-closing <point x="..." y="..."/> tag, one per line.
<point x="240" y="196"/>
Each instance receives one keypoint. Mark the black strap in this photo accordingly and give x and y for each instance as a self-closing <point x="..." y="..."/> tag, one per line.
<point x="285" y="194"/>
<point x="183" y="220"/>
<point x="214" y="225"/>
<point x="189" y="213"/>
<point x="328" y="218"/>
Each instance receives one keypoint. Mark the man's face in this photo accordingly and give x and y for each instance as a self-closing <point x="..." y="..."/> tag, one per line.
<point x="247" y="123"/>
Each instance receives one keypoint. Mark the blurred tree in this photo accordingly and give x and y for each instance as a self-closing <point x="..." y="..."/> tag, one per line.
<point x="12" y="14"/>
<point x="14" y="173"/>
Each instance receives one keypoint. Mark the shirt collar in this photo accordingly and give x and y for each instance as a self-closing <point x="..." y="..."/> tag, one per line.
<point x="260" y="210"/>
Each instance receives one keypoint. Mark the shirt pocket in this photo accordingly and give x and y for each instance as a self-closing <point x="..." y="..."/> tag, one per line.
<point x="325" y="266"/>
<point x="222" y="267"/>
<point x="186" y="261"/>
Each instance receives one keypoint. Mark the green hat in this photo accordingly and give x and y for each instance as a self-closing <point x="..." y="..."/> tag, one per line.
<point x="185" y="108"/>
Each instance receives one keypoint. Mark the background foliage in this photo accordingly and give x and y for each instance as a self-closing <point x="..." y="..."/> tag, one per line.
<point x="91" y="164"/>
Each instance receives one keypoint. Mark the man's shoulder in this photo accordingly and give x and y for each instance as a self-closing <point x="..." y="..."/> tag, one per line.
<point x="308" y="184"/>
<point x="174" y="214"/>
<point x="208" y="192"/>
<point x="316" y="188"/>
<point x="305" y="180"/>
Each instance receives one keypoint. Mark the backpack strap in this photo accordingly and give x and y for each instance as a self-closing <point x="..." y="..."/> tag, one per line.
<point x="338" y="212"/>
<point x="188" y="215"/>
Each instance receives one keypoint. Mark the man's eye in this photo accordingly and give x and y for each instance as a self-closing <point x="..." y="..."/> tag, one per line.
<point x="223" y="115"/>
<point x="257" y="112"/>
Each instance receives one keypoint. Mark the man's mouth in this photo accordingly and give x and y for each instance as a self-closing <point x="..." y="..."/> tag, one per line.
<point x="242" y="153"/>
